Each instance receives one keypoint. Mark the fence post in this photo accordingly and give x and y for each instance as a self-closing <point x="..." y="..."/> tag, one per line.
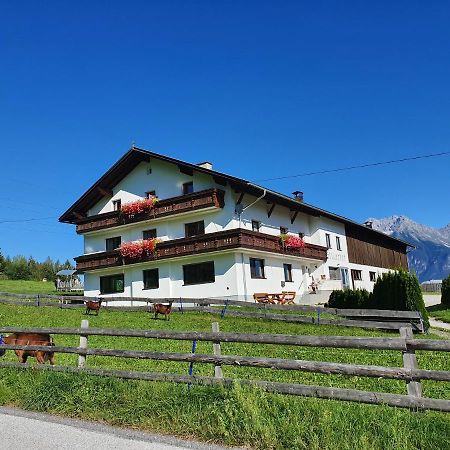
<point x="410" y="362"/>
<point x="38" y="300"/>
<point x="216" y="349"/>
<point x="222" y="315"/>
<point x="83" y="344"/>
<point x="181" y="306"/>
<point x="191" y="364"/>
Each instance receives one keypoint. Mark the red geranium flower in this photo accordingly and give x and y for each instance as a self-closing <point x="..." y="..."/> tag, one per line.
<point x="138" y="206"/>
<point x="137" y="249"/>
<point x="290" y="241"/>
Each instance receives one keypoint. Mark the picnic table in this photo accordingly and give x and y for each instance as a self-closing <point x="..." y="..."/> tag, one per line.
<point x="282" y="298"/>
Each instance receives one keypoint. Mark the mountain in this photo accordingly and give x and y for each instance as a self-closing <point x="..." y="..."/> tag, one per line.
<point x="431" y="258"/>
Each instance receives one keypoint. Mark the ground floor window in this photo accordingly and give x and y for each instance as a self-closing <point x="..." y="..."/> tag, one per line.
<point x="356" y="275"/>
<point x="335" y="273"/>
<point x="199" y="273"/>
<point x="373" y="276"/>
<point x="151" y="278"/>
<point x="287" y="272"/>
<point x="111" y="284"/>
<point x="257" y="268"/>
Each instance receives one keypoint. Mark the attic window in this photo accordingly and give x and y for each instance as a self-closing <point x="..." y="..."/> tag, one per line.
<point x="117" y="204"/>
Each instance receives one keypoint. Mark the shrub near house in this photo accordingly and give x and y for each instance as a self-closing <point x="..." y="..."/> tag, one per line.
<point x="445" y="298"/>
<point x="399" y="290"/>
<point x="348" y="298"/>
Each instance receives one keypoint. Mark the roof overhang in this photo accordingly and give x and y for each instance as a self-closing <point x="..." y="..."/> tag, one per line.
<point x="137" y="155"/>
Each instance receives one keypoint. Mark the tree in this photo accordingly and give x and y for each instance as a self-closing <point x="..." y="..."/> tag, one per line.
<point x="2" y="263"/>
<point x="399" y="290"/>
<point x="18" y="269"/>
<point x="445" y="298"/>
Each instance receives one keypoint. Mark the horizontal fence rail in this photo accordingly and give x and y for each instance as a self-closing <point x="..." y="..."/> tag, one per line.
<point x="362" y="318"/>
<point x="406" y="343"/>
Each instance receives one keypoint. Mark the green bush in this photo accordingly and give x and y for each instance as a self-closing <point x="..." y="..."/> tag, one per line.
<point x="348" y="298"/>
<point x="445" y="298"/>
<point x="399" y="290"/>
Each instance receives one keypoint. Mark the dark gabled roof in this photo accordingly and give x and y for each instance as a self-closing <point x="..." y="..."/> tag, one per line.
<point x="137" y="155"/>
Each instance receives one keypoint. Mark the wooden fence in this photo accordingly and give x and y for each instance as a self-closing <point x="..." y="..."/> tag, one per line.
<point x="318" y="315"/>
<point x="406" y="343"/>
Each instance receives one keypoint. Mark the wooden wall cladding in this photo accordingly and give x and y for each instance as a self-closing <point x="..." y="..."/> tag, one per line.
<point x="373" y="249"/>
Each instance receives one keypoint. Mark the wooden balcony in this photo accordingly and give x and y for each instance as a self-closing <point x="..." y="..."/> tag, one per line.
<point x="169" y="206"/>
<point x="210" y="242"/>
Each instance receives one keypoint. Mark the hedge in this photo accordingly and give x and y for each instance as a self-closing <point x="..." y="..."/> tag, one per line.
<point x="445" y="297"/>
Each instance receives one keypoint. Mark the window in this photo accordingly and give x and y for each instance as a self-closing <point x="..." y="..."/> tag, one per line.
<point x="373" y="276"/>
<point x="111" y="284"/>
<point x="117" y="204"/>
<point x="338" y="242"/>
<point x="188" y="188"/>
<point x="199" y="273"/>
<point x="335" y="273"/>
<point x="149" y="234"/>
<point x="257" y="268"/>
<point x="151" y="278"/>
<point x="283" y="230"/>
<point x="194" y="228"/>
<point x="256" y="225"/>
<point x="150" y="194"/>
<point x="287" y="272"/>
<point x="113" y="243"/>
<point x="356" y="275"/>
<point x="328" y="240"/>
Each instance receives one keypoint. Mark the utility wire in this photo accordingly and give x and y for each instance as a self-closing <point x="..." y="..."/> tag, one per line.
<point x="341" y="169"/>
<point x="27" y="220"/>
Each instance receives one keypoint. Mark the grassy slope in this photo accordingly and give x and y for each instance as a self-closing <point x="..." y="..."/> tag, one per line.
<point x="233" y="416"/>
<point x="440" y="312"/>
<point x="30" y="287"/>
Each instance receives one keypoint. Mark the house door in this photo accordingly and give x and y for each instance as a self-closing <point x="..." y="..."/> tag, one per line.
<point x="344" y="278"/>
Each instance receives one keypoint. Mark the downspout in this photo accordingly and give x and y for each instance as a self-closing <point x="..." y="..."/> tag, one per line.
<point x="258" y="199"/>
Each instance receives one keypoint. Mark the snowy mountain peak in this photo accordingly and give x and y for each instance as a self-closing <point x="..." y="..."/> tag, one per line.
<point x="431" y="258"/>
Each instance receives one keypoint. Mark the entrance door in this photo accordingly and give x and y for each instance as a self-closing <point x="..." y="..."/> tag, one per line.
<point x="344" y="278"/>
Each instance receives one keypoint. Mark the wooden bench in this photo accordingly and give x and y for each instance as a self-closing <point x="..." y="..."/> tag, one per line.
<point x="263" y="298"/>
<point x="287" y="298"/>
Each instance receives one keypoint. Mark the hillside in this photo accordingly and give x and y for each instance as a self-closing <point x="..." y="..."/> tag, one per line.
<point x="431" y="258"/>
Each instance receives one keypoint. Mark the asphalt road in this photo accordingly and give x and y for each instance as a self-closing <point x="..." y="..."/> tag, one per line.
<point x="22" y="430"/>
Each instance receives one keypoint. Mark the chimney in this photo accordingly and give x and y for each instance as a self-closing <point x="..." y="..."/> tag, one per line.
<point x="368" y="223"/>
<point x="206" y="165"/>
<point x="298" y="196"/>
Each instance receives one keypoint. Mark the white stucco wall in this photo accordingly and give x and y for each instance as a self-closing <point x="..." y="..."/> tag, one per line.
<point x="233" y="277"/>
<point x="171" y="284"/>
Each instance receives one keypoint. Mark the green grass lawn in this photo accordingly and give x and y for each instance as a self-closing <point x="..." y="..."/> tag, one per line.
<point x="30" y="287"/>
<point x="440" y="312"/>
<point x="234" y="416"/>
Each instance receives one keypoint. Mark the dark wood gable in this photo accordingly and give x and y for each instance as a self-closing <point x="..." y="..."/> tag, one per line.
<point x="373" y="249"/>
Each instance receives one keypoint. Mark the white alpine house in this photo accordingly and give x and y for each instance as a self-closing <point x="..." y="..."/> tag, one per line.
<point x="218" y="236"/>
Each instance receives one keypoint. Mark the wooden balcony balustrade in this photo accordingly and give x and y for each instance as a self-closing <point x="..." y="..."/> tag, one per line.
<point x="175" y="205"/>
<point x="210" y="242"/>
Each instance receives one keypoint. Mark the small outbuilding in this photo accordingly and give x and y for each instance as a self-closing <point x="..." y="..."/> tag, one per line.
<point x="68" y="280"/>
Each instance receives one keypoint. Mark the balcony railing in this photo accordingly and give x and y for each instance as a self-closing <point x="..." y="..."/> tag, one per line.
<point x="210" y="242"/>
<point x="175" y="205"/>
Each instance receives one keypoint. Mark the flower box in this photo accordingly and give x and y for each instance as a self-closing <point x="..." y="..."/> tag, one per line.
<point x="138" y="207"/>
<point x="291" y="242"/>
<point x="138" y="249"/>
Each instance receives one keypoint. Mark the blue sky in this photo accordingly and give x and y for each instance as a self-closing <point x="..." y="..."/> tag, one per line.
<point x="262" y="89"/>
